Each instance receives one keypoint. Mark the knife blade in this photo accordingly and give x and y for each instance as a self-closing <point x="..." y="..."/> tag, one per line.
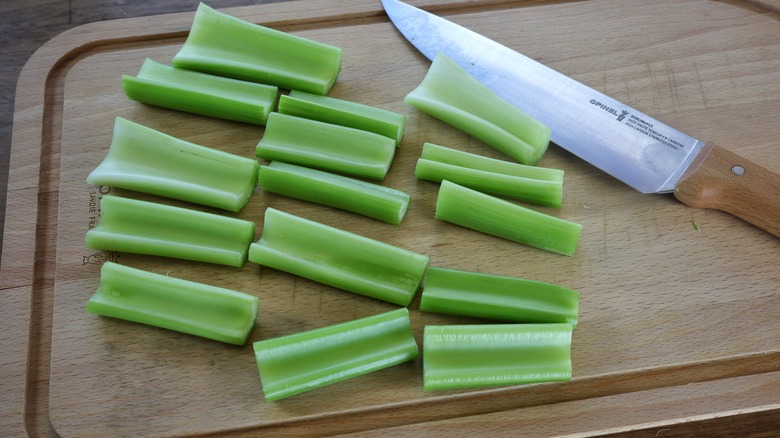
<point x="645" y="153"/>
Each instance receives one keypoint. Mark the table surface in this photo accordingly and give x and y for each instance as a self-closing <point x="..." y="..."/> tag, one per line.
<point x="25" y="26"/>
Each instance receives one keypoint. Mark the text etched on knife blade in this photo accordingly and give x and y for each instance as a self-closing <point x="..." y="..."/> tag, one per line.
<point x="639" y="124"/>
<point x="646" y="128"/>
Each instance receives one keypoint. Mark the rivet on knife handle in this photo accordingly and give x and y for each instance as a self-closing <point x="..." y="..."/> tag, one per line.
<point x="725" y="181"/>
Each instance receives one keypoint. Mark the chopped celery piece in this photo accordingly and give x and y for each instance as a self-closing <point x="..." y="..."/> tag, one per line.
<point x="345" y="113"/>
<point x="372" y="200"/>
<point x="149" y="161"/>
<point x="175" y="304"/>
<point x="535" y="191"/>
<point x="201" y="93"/>
<point x="326" y="146"/>
<point x="338" y="258"/>
<point x="453" y="96"/>
<point x="442" y="154"/>
<point x="472" y="356"/>
<point x="224" y="45"/>
<point x="497" y="297"/>
<point x="300" y="362"/>
<point x="481" y="212"/>
<point x="143" y="227"/>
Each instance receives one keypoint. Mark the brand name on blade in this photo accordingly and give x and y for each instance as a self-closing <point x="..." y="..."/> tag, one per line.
<point x="640" y="125"/>
<point x="620" y="114"/>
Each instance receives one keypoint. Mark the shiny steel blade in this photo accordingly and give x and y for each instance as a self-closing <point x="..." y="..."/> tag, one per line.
<point x="635" y="148"/>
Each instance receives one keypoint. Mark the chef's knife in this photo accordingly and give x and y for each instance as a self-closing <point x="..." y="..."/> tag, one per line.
<point x="637" y="149"/>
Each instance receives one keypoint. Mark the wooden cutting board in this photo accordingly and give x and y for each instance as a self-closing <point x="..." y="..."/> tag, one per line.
<point x="677" y="304"/>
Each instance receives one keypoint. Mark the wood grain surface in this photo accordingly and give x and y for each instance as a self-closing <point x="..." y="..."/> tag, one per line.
<point x="680" y="312"/>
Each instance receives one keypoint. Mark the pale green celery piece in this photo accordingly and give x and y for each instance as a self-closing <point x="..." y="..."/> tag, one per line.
<point x="225" y="45"/>
<point x="498" y="297"/>
<point x="300" y="362"/>
<point x="535" y="191"/>
<point x="149" y="161"/>
<point x="443" y="154"/>
<point x="326" y="146"/>
<point x="482" y="212"/>
<point x="372" y="200"/>
<point x="338" y="258"/>
<point x="474" y="356"/>
<point x="201" y="93"/>
<point x="142" y="227"/>
<point x="345" y="113"/>
<point x="453" y="96"/>
<point x="172" y="303"/>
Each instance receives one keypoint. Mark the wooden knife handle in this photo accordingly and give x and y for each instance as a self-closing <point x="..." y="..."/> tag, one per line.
<point x="725" y="181"/>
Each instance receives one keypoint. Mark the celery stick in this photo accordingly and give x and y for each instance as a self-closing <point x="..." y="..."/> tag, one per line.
<point x="175" y="304"/>
<point x="300" y="362"/>
<point x="326" y="146"/>
<point x="481" y="212"/>
<point x="442" y="154"/>
<point x="345" y="113"/>
<point x="338" y="258"/>
<point x="540" y="192"/>
<point x="224" y="45"/>
<point x="497" y="297"/>
<point x="450" y="94"/>
<point x="372" y="200"/>
<point x="149" y="161"/>
<point x="201" y="93"/>
<point x="142" y="227"/>
<point x="472" y="356"/>
<point x="538" y="185"/>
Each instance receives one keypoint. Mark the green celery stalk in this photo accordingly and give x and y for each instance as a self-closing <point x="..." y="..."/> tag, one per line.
<point x="300" y="362"/>
<point x="497" y="297"/>
<point x="443" y="154"/>
<point x="479" y="112"/>
<point x="149" y="161"/>
<point x="345" y="113"/>
<point x="143" y="227"/>
<point x="535" y="191"/>
<point x="224" y="45"/>
<point x="472" y="356"/>
<point x="175" y="304"/>
<point x="372" y="200"/>
<point x="338" y="258"/>
<point x="326" y="146"/>
<point x="201" y="93"/>
<point x="481" y="212"/>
